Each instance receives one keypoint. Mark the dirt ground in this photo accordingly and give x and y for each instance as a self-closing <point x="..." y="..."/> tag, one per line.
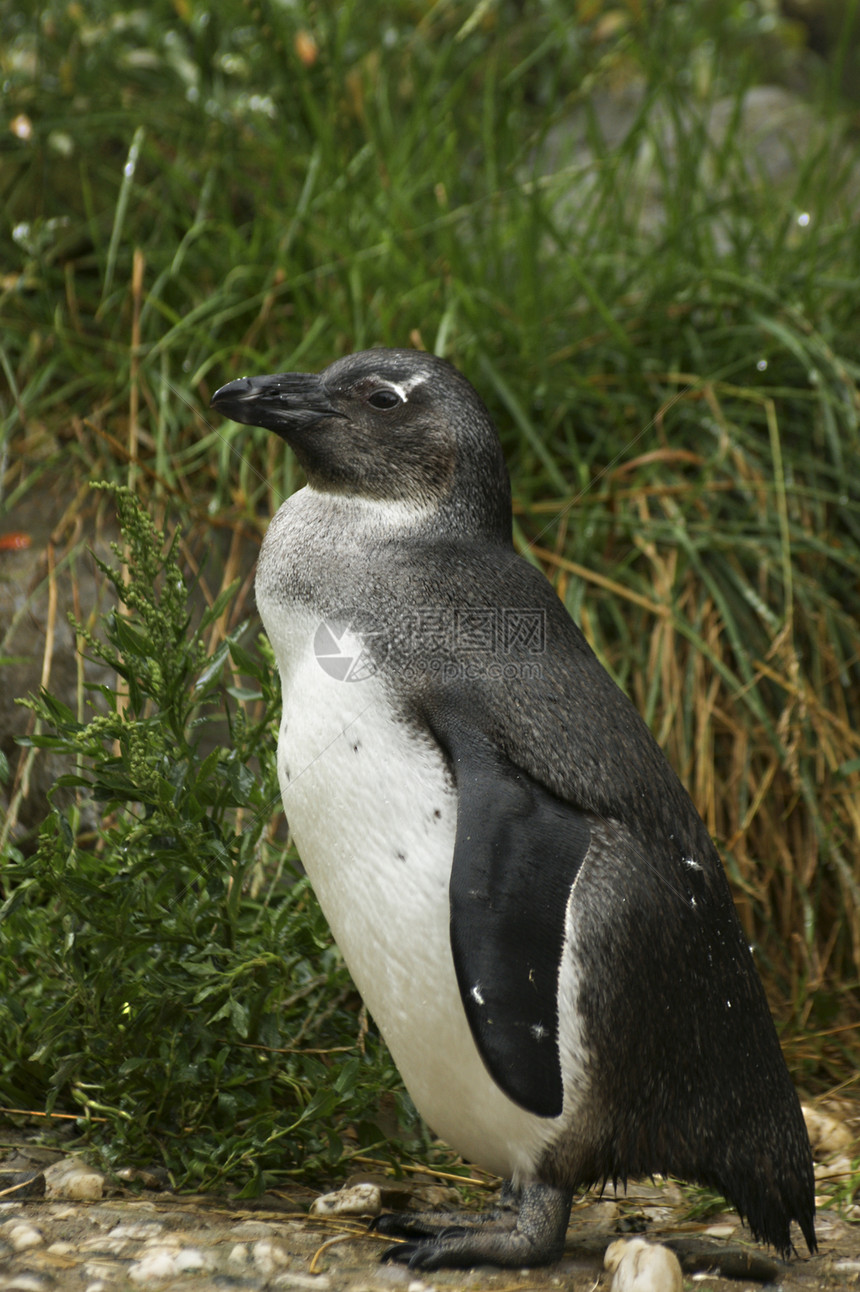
<point x="141" y="1238"/>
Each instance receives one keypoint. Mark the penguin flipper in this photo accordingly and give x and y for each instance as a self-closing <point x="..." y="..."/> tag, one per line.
<point x="439" y="1241"/>
<point x="517" y="852"/>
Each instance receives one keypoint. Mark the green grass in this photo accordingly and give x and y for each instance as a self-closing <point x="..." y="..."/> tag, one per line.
<point x="668" y="338"/>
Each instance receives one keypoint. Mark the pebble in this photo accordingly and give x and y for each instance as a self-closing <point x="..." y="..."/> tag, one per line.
<point x="826" y="1133"/>
<point x="356" y="1200"/>
<point x="154" y="1266"/>
<point x="72" y="1178"/>
<point x="269" y="1256"/>
<point x="148" y="1229"/>
<point x="838" y="1167"/>
<point x="166" y="1262"/>
<point x="156" y="1179"/>
<point x="20" y="1236"/>
<point x="638" y="1266"/>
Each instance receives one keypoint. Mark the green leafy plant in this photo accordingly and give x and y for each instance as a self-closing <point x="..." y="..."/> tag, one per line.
<point x="168" y="973"/>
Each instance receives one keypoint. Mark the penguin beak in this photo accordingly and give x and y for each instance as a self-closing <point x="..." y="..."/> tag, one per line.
<point x="285" y="402"/>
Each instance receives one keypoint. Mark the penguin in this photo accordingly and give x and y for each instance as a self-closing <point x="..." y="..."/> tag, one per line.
<point x="528" y="902"/>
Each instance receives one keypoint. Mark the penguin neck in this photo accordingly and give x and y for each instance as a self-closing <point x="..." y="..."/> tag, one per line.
<point x="359" y="517"/>
<point x="327" y="552"/>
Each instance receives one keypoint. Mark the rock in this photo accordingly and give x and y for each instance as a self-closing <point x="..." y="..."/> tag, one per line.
<point x="21" y="1237"/>
<point x="188" y="1259"/>
<point x="72" y="1178"/>
<point x="163" y="1262"/>
<point x="26" y="1282"/>
<point x="839" y="1168"/>
<point x="148" y="1229"/>
<point x="638" y="1266"/>
<point x="355" y="1200"/>
<point x="269" y="1256"/>
<point x="775" y="129"/>
<point x="826" y="1133"/>
<point x="154" y="1266"/>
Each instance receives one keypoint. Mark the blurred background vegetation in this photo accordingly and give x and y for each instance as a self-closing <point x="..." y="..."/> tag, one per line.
<point x="634" y="227"/>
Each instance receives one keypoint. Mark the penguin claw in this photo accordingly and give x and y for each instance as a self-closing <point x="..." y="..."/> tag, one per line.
<point x="436" y="1224"/>
<point x="534" y="1237"/>
<point x="427" y="1255"/>
<point x="463" y="1249"/>
<point x="423" y="1237"/>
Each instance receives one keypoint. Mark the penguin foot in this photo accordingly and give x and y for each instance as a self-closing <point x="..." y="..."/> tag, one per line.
<point x="535" y="1236"/>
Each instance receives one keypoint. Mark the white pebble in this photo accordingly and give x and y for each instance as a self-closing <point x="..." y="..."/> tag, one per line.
<point x="238" y="1254"/>
<point x="84" y="1186"/>
<point x="155" y="1265"/>
<point x="191" y="1258"/>
<point x="147" y="1229"/>
<point x="642" y="1267"/>
<point x="357" y="1200"/>
<point x="22" y="1236"/>
<point x="71" y="1178"/>
<point x="269" y="1256"/>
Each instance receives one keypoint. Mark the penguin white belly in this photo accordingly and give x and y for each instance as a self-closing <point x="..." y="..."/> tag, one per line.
<point x="373" y="814"/>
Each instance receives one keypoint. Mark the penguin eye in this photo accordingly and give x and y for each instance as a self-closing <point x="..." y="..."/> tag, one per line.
<point x="383" y="398"/>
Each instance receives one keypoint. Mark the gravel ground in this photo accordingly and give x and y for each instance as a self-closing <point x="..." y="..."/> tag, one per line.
<point x="84" y="1234"/>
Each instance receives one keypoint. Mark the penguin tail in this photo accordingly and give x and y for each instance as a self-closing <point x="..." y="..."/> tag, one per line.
<point x="769" y="1204"/>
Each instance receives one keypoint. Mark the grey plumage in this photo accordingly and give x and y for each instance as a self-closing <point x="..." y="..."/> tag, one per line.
<point x="608" y="987"/>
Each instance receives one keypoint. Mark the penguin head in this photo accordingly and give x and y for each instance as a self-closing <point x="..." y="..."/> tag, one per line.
<point x="389" y="426"/>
